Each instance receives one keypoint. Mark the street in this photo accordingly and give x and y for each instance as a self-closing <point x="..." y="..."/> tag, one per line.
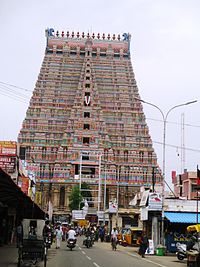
<point x="101" y="255"/>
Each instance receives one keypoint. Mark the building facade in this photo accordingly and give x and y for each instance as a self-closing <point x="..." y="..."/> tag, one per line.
<point x="85" y="122"/>
<point x="186" y="186"/>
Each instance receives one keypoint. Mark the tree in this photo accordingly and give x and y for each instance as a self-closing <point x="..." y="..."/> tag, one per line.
<point x="75" y="198"/>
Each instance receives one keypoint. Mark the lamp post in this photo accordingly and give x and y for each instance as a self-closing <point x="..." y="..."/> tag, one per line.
<point x="164" y="117"/>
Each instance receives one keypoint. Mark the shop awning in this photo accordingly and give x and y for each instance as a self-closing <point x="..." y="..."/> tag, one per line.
<point x="182" y="217"/>
<point x="12" y="196"/>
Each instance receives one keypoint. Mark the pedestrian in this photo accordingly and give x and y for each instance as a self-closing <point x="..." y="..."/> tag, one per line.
<point x="59" y="234"/>
<point x="19" y="232"/>
<point x="101" y="233"/>
<point x="144" y="243"/>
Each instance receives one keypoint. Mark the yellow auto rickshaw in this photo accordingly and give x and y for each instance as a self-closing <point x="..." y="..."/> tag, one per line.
<point x="130" y="235"/>
<point x="193" y="228"/>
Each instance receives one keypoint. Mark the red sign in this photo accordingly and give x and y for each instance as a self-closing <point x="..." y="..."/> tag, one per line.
<point x="25" y="185"/>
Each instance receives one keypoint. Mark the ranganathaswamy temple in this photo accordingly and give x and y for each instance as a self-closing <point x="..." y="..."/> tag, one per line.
<point x="85" y="122"/>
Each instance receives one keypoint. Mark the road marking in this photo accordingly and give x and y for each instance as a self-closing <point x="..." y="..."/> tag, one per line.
<point x="96" y="264"/>
<point x="88" y="258"/>
<point x="83" y="252"/>
<point x="136" y="256"/>
<point x="161" y="265"/>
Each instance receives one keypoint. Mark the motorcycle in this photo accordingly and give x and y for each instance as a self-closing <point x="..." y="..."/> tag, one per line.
<point x="181" y="253"/>
<point x="114" y="243"/>
<point x="71" y="243"/>
<point x="87" y="241"/>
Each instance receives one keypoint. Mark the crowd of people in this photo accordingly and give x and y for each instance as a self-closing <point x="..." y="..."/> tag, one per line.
<point x="63" y="232"/>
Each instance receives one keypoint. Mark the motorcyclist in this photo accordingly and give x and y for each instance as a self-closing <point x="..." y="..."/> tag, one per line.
<point x="114" y="234"/>
<point x="71" y="234"/>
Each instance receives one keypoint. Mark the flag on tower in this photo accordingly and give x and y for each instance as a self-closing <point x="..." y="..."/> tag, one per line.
<point x="198" y="176"/>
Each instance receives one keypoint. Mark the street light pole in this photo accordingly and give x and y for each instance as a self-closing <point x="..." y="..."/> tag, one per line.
<point x="164" y="117"/>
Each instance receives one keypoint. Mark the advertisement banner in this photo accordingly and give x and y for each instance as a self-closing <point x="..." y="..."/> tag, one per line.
<point x="8" y="164"/>
<point x="155" y="201"/>
<point x="113" y="207"/>
<point x="25" y="185"/>
<point x="8" y="148"/>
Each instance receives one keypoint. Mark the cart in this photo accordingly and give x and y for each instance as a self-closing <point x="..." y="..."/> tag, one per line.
<point x="33" y="248"/>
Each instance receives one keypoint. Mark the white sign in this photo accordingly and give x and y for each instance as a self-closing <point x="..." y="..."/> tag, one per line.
<point x="144" y="214"/>
<point x="113" y="207"/>
<point x="150" y="249"/>
<point x="144" y="198"/>
<point x="155" y="201"/>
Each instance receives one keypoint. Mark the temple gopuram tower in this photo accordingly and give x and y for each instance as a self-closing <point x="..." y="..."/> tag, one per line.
<point x="85" y="122"/>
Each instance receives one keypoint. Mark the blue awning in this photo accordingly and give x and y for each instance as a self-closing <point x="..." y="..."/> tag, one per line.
<point x="182" y="217"/>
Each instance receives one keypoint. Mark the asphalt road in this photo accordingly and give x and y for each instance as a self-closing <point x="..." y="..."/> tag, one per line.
<point x="101" y="255"/>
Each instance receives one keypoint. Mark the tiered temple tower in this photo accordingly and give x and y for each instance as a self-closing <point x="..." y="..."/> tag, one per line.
<point x="85" y="120"/>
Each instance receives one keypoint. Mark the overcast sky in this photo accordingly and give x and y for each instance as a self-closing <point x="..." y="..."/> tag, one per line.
<point x="165" y="53"/>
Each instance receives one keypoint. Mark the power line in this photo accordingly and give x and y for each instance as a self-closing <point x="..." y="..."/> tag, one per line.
<point x="189" y="149"/>
<point x="21" y="88"/>
<point x="177" y="123"/>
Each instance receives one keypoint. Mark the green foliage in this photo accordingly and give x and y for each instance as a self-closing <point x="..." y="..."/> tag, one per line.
<point x="75" y="198"/>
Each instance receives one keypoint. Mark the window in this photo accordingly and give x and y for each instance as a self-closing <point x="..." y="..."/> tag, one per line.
<point x="86" y="140"/>
<point x="62" y="196"/>
<point x="85" y="157"/>
<point x="22" y="153"/>
<point x="87" y="85"/>
<point x="86" y="126"/>
<point x="86" y="114"/>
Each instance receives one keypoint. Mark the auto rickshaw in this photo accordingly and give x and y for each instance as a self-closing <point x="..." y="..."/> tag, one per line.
<point x="33" y="247"/>
<point x="193" y="251"/>
<point x="130" y="235"/>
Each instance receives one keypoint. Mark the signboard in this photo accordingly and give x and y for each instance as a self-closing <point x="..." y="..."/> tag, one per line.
<point x="78" y="215"/>
<point x="144" y="214"/>
<point x="8" y="148"/>
<point x="155" y="201"/>
<point x="8" y="164"/>
<point x="150" y="249"/>
<point x="25" y="185"/>
<point x="113" y="207"/>
<point x="144" y="198"/>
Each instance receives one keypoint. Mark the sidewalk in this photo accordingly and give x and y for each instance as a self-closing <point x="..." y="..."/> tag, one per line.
<point x="8" y="255"/>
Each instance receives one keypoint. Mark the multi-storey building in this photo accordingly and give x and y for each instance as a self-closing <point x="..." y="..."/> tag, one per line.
<point x="185" y="185"/>
<point x="85" y="122"/>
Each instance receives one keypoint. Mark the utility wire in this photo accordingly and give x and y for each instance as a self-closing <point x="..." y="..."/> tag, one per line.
<point x="189" y="149"/>
<point x="8" y="90"/>
<point x="24" y="89"/>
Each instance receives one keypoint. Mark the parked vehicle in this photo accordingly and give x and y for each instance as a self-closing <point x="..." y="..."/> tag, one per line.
<point x="33" y="248"/>
<point x="71" y="243"/>
<point x="130" y="236"/>
<point x="193" y="246"/>
<point x="181" y="251"/>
